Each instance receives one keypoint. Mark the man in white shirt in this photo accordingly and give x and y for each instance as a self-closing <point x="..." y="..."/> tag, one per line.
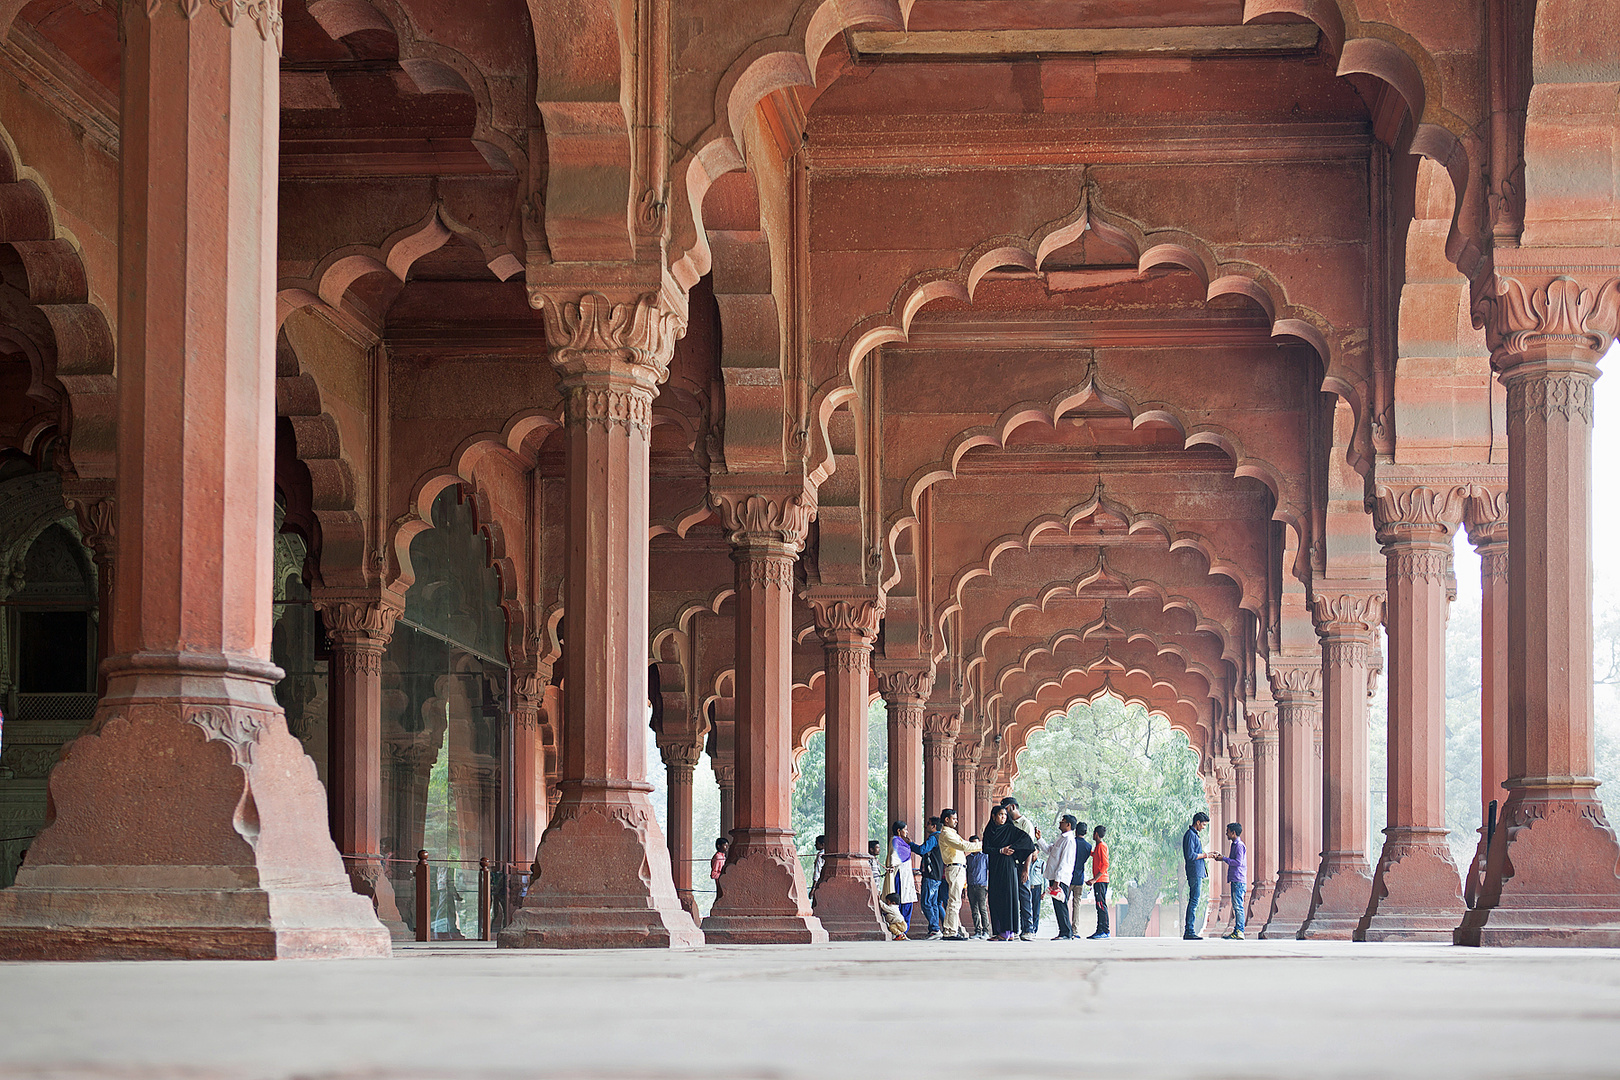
<point x="1059" y="869"/>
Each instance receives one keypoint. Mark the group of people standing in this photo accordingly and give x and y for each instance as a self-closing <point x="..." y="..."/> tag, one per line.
<point x="996" y="872"/>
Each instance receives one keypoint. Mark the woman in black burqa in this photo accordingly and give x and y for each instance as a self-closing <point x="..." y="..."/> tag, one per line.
<point x="1008" y="846"/>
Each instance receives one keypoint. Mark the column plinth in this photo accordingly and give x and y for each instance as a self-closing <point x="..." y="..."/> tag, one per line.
<point x="1296" y="685"/>
<point x="604" y="878"/>
<point x="846" y="902"/>
<point x="188" y="823"/>
<point x="1346" y="623"/>
<point x="761" y="892"/>
<point x="1551" y="870"/>
<point x="1417" y="891"/>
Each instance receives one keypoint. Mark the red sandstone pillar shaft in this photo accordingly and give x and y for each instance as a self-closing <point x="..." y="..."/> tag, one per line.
<point x="1551" y="874"/>
<point x="724" y="762"/>
<point x="940" y="725"/>
<point x="604" y="875"/>
<point x="1242" y="755"/>
<point x="1488" y="531"/>
<point x="1296" y="686"/>
<point x="1417" y="892"/>
<point x="189" y="822"/>
<point x="359" y="630"/>
<point x="846" y="902"/>
<point x="966" y="758"/>
<point x="762" y="897"/>
<point x="528" y="701"/>
<point x="1227" y="774"/>
<point x="680" y="764"/>
<point x="1263" y="847"/>
<point x="905" y="693"/>
<point x="1346" y="623"/>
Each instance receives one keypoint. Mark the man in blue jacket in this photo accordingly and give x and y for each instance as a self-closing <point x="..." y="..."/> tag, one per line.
<point x="1077" y="884"/>
<point x="1192" y="853"/>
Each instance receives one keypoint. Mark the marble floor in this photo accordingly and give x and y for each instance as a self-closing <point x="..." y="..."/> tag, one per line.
<point x="890" y="1011"/>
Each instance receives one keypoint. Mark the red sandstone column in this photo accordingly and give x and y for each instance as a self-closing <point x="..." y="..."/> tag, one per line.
<point x="359" y="628"/>
<point x="528" y="701"/>
<point x="1296" y="684"/>
<point x="604" y="874"/>
<point x="1417" y="892"/>
<point x="724" y="762"/>
<point x="1215" y="882"/>
<point x="905" y="693"/>
<point x="762" y="897"/>
<point x="93" y="504"/>
<point x="1488" y="531"/>
<point x="1551" y="875"/>
<point x="1241" y="752"/>
<point x="846" y="903"/>
<point x="983" y="789"/>
<point x="940" y="725"/>
<point x="1262" y="721"/>
<point x="680" y="763"/>
<point x="1347" y="623"/>
<point x="188" y="822"/>
<point x="966" y="758"/>
<point x="1226" y="773"/>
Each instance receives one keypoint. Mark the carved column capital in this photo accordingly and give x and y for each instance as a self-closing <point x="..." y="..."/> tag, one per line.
<point x="1241" y="754"/>
<point x="96" y="511"/>
<point x="1347" y="614"/>
<point x="1296" y="681"/>
<point x="846" y="613"/>
<point x="966" y="754"/>
<point x="1532" y="311"/>
<point x="910" y="683"/>
<point x="1416" y="510"/>
<point x="942" y="722"/>
<point x="629" y="335"/>
<point x="779" y="516"/>
<point x="358" y="620"/>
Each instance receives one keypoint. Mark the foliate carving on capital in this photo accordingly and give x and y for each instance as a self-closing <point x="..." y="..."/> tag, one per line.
<point x="1225" y="774"/>
<point x="1348" y="612"/>
<point x="98" y="520"/>
<point x="610" y="407"/>
<point x="266" y="14"/>
<point x="1295" y="683"/>
<point x="1432" y="565"/>
<point x="1523" y="315"/>
<point x="784" y="519"/>
<point x="1400" y="512"/>
<point x="842" y="616"/>
<point x="966" y="755"/>
<point x="1567" y="395"/>
<point x="1262" y="725"/>
<point x="358" y="620"/>
<point x="850" y="657"/>
<point x="1241" y="753"/>
<point x="1343" y="652"/>
<point x="943" y="723"/>
<point x="768" y="571"/>
<point x="903" y="683"/>
<point x="593" y="333"/>
<point x="681" y="754"/>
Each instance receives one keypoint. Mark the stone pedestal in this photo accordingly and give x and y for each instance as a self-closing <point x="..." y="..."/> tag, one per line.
<point x="1346" y="623"/>
<point x="762" y="897"/>
<point x="1551" y="873"/>
<point x="188" y="822"/>
<point x="905" y="693"/>
<point x="1417" y="892"/>
<point x="359" y="628"/>
<point x="846" y="902"/>
<point x="604" y="876"/>
<point x="1296" y="685"/>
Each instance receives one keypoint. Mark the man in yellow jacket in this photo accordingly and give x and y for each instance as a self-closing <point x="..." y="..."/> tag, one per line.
<point x="953" y="851"/>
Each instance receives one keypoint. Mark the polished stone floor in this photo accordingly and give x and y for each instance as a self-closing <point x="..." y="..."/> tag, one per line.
<point x="891" y="1011"/>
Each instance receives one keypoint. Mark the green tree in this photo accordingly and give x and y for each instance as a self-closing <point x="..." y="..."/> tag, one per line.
<point x="1117" y="765"/>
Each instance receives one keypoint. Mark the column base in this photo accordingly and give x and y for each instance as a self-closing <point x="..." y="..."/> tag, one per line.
<point x="1258" y="903"/>
<point x="761" y="897"/>
<point x="367" y="879"/>
<point x="604" y="881"/>
<point x="1290" y="903"/>
<point x="1339" y="899"/>
<point x="1416" y="893"/>
<point x="1474" y="879"/>
<point x="846" y="903"/>
<point x="689" y="904"/>
<point x="216" y="848"/>
<point x="1550" y="878"/>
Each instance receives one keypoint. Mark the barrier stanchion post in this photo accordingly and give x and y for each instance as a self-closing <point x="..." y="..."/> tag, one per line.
<point x="486" y="930"/>
<point x="424" y="907"/>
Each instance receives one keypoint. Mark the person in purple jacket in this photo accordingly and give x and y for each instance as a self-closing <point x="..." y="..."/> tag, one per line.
<point x="1237" y="875"/>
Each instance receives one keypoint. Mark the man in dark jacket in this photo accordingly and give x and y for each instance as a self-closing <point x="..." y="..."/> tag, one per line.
<point x="1192" y="853"/>
<point x="933" y="880"/>
<point x="1077" y="883"/>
